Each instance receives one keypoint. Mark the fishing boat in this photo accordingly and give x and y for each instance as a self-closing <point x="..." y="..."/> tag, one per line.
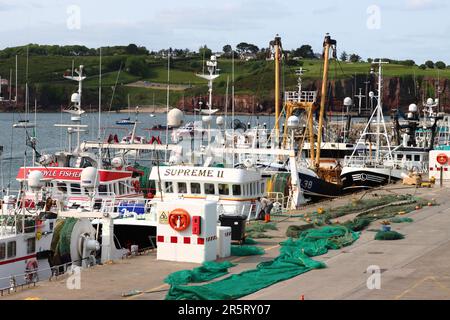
<point x="387" y="163"/>
<point x="26" y="231"/>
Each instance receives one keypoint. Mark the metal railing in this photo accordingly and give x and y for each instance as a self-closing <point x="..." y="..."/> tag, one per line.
<point x="303" y="96"/>
<point x="55" y="272"/>
<point x="278" y="197"/>
<point x="367" y="162"/>
<point x="248" y="210"/>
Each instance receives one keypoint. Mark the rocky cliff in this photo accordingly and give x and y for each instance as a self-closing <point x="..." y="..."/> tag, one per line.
<point x="399" y="92"/>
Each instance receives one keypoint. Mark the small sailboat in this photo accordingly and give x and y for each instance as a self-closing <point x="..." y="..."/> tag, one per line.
<point x="126" y="121"/>
<point x="152" y="115"/>
<point x="25" y="123"/>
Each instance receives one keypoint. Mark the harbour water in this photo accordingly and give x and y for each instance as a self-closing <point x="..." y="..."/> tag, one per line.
<point x="51" y="139"/>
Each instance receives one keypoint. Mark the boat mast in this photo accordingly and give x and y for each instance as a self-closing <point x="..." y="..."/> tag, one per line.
<point x="213" y="74"/>
<point x="100" y="162"/>
<point x="75" y="109"/>
<point x="380" y="117"/>
<point x="167" y="102"/>
<point x="100" y="97"/>
<point x="15" y="98"/>
<point x="277" y="52"/>
<point x="327" y="45"/>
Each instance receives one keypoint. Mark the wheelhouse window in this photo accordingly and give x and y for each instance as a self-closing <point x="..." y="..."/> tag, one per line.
<point x="102" y="189"/>
<point x="416" y="157"/>
<point x="75" y="188"/>
<point x="182" y="187"/>
<point x="2" y="251"/>
<point x="196" y="188"/>
<point x="121" y="188"/>
<point x="224" y="189"/>
<point x="209" y="188"/>
<point x="31" y="245"/>
<point x="168" y="186"/>
<point x="408" y="157"/>
<point x="11" y="253"/>
<point x="62" y="186"/>
<point x="236" y="190"/>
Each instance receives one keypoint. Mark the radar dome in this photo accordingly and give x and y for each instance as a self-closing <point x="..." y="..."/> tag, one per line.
<point x="75" y="97"/>
<point x="117" y="162"/>
<point x="293" y="122"/>
<point x="35" y="179"/>
<point x="89" y="178"/>
<point x="175" y="117"/>
<point x="348" y="102"/>
<point x="412" y="108"/>
<point x="220" y="121"/>
<point x="206" y="119"/>
<point x="248" y="163"/>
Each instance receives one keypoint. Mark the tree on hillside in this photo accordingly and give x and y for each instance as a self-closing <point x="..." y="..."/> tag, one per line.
<point x="305" y="51"/>
<point x="205" y="52"/>
<point x="132" y="49"/>
<point x="263" y="54"/>
<point x="429" y="64"/>
<point x="369" y="60"/>
<point x="246" y="48"/>
<point x="354" y="58"/>
<point x="227" y="49"/>
<point x="343" y="56"/>
<point x="114" y="63"/>
<point x="137" y="66"/>
<point x="440" y="65"/>
<point x="422" y="67"/>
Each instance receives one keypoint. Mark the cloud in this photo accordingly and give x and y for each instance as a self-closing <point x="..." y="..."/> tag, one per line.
<point x="423" y="5"/>
<point x="329" y="9"/>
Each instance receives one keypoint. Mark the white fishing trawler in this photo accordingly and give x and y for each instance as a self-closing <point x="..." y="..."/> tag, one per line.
<point x="386" y="163"/>
<point x="26" y="231"/>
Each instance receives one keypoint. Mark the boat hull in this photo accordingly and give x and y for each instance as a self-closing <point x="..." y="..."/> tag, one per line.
<point x="367" y="178"/>
<point x="317" y="189"/>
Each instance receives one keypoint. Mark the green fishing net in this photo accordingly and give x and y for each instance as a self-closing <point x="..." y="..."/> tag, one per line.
<point x="389" y="235"/>
<point x="242" y="251"/>
<point x="294" y="259"/>
<point x="208" y="271"/>
<point x="249" y="241"/>
<point x="401" y="220"/>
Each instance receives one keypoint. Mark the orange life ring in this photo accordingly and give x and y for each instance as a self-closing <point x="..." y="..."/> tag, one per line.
<point x="31" y="270"/>
<point x="179" y="219"/>
<point x="442" y="159"/>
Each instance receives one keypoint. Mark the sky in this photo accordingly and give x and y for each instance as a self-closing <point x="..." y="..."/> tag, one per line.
<point x="396" y="29"/>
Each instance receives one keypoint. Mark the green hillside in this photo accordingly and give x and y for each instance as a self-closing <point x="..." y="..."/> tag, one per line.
<point x="45" y="77"/>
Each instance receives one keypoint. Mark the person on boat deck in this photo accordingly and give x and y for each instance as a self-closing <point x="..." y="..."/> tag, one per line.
<point x="266" y="207"/>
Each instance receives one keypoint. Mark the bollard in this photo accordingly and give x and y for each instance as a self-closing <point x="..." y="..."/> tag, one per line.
<point x="442" y="176"/>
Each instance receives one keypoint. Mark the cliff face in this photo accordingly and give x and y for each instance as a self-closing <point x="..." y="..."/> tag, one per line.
<point x="399" y="92"/>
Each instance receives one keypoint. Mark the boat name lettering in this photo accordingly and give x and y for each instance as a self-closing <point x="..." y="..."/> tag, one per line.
<point x="60" y="174"/>
<point x="194" y="173"/>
